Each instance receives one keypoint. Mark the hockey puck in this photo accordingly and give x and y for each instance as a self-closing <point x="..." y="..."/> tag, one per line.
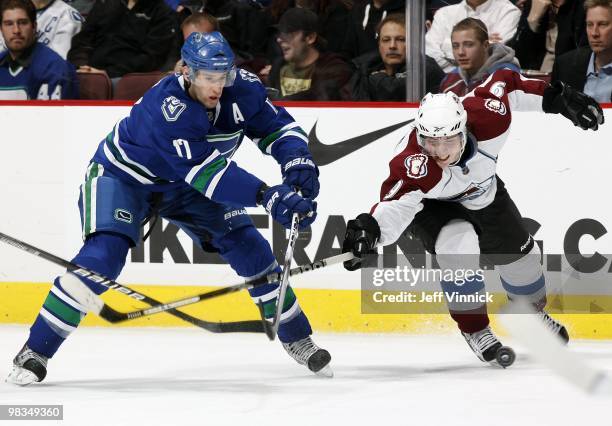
<point x="505" y="356"/>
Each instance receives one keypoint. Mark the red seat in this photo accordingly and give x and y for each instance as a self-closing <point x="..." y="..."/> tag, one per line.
<point x="94" y="86"/>
<point x="132" y="86"/>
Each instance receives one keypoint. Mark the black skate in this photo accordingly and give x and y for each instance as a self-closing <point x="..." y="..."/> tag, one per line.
<point x="305" y="352"/>
<point x="489" y="349"/>
<point x="555" y="326"/>
<point x="28" y="367"/>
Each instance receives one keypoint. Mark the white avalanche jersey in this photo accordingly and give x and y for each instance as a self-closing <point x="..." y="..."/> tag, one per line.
<point x="415" y="176"/>
<point x="57" y="23"/>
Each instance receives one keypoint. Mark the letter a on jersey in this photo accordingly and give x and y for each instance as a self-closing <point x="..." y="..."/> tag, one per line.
<point x="237" y="113"/>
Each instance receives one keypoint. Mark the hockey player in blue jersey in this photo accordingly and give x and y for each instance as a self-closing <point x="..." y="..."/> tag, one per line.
<point x="175" y="147"/>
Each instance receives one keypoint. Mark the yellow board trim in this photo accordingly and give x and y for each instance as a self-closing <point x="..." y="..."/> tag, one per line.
<point x="328" y="311"/>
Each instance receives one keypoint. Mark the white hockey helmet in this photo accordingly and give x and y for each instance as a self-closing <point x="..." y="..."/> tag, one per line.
<point x="441" y="115"/>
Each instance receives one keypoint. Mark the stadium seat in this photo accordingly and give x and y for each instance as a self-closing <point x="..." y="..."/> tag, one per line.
<point x="94" y="86"/>
<point x="132" y="86"/>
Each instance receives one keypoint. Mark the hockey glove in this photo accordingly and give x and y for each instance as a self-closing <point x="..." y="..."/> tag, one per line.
<point x="303" y="174"/>
<point x="362" y="235"/>
<point x="581" y="109"/>
<point x="281" y="202"/>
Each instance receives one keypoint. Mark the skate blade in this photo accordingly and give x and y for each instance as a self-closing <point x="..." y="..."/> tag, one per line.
<point x="21" y="377"/>
<point x="325" y="372"/>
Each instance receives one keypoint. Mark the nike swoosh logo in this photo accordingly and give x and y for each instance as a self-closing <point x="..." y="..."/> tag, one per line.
<point x="326" y="154"/>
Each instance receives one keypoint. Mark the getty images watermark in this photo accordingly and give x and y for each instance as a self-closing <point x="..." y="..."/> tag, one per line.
<point x="412" y="278"/>
<point x="392" y="284"/>
<point x="404" y="288"/>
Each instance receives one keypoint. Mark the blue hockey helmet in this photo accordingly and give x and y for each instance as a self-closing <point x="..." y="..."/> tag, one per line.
<point x="209" y="52"/>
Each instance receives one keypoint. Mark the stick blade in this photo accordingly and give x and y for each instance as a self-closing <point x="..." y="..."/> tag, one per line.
<point x="81" y="293"/>
<point x="520" y="319"/>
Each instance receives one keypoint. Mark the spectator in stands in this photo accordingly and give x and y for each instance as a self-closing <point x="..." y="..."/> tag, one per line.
<point x="202" y="22"/>
<point x="28" y="68"/>
<point x="234" y="22"/>
<point x="333" y="20"/>
<point x="364" y="18"/>
<point x="476" y="57"/>
<point x="548" y="28"/>
<point x="432" y="6"/>
<point x="57" y="24"/>
<point x="306" y="71"/>
<point x="197" y="22"/>
<point x="500" y="16"/>
<point x="381" y="75"/>
<point x="121" y="37"/>
<point x="589" y="69"/>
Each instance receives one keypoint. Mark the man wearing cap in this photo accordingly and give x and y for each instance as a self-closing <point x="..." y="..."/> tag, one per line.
<point x="306" y="71"/>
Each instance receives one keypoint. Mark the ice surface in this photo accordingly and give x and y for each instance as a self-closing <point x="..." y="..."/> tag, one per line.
<point x="107" y="376"/>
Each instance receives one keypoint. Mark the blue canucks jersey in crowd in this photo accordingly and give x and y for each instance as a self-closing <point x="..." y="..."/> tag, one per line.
<point x="39" y="74"/>
<point x="170" y="138"/>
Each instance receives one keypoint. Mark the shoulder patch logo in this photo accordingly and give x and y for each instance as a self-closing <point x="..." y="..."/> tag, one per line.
<point x="172" y="108"/>
<point x="496" y="105"/>
<point x="498" y="89"/>
<point x="416" y="166"/>
<point x="248" y="76"/>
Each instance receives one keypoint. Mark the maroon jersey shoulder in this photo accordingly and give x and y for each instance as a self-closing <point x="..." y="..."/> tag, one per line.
<point x="489" y="105"/>
<point x="410" y="170"/>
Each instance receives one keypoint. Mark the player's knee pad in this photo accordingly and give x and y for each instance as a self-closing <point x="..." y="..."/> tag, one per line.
<point x="247" y="252"/>
<point x="104" y="253"/>
<point x="457" y="246"/>
<point x="525" y="276"/>
<point x="527" y="269"/>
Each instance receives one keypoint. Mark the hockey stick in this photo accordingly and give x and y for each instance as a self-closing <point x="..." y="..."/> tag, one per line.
<point x="215" y="327"/>
<point x="94" y="303"/>
<point x="521" y="320"/>
<point x="284" y="282"/>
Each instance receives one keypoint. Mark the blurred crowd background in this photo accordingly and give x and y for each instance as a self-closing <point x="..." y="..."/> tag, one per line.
<point x="307" y="50"/>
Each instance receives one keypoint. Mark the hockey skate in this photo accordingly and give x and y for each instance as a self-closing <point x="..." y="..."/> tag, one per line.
<point x="305" y="352"/>
<point x="28" y="367"/>
<point x="488" y="348"/>
<point x="555" y="326"/>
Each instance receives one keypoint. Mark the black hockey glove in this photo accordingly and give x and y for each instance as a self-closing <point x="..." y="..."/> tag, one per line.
<point x="581" y="109"/>
<point x="362" y="235"/>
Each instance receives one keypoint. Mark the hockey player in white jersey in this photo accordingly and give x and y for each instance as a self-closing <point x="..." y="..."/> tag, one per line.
<point x="56" y="24"/>
<point x="444" y="188"/>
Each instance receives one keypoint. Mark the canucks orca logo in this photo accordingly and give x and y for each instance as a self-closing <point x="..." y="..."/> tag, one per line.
<point x="172" y="108"/>
<point x="123" y="215"/>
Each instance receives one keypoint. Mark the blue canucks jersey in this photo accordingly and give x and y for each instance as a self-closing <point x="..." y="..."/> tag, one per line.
<point x="43" y="75"/>
<point x="169" y="139"/>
